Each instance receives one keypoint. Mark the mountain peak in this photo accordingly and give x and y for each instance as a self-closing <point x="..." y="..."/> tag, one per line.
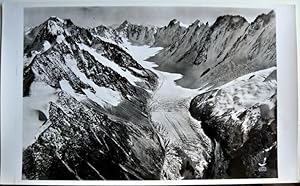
<point x="264" y="18"/>
<point x="271" y="13"/>
<point x="125" y="23"/>
<point x="233" y="21"/>
<point x="173" y="22"/>
<point x="55" y="19"/>
<point x="196" y="22"/>
<point x="55" y="26"/>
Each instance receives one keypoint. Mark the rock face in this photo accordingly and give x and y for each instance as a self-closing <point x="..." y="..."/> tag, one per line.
<point x="151" y="35"/>
<point x="86" y="133"/>
<point x="240" y="117"/>
<point x="137" y="34"/>
<point x="106" y="33"/>
<point x="81" y="143"/>
<point x="167" y="35"/>
<point x="214" y="55"/>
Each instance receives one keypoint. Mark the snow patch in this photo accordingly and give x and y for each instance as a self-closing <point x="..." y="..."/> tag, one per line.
<point x="46" y="45"/>
<point x="54" y="28"/>
<point x="66" y="87"/>
<point x="104" y="61"/>
<point x="245" y="92"/>
<point x="60" y="38"/>
<point x="103" y="96"/>
<point x="38" y="100"/>
<point x="183" y="25"/>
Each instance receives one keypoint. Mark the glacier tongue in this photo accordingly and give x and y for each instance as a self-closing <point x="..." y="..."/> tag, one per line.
<point x="168" y="109"/>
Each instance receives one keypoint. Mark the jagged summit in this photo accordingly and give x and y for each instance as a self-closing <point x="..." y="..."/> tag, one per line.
<point x="55" y="18"/>
<point x="173" y="22"/>
<point x="197" y="22"/>
<point x="233" y="20"/>
<point x="264" y="18"/>
<point x="124" y="24"/>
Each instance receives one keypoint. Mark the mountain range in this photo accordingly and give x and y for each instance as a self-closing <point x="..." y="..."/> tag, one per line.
<point x="92" y="99"/>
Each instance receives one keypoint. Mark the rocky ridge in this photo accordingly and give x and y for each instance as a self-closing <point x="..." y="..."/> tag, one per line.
<point x="82" y="129"/>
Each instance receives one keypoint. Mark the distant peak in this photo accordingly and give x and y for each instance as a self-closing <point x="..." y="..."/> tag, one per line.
<point x="125" y="22"/>
<point x="271" y="13"/>
<point x="265" y="18"/>
<point x="173" y="22"/>
<point x="196" y="22"/>
<point x="232" y="18"/>
<point x="124" y="25"/>
<point x="101" y="27"/>
<point x="68" y="22"/>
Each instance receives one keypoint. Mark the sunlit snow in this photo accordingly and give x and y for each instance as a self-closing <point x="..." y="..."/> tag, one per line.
<point x="104" y="61"/>
<point x="40" y="96"/>
<point x="103" y="96"/>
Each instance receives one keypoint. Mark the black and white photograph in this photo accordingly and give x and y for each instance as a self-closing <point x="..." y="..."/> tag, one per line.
<point x="149" y="93"/>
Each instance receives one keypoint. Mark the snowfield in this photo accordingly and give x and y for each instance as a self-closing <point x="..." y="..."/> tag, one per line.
<point x="38" y="101"/>
<point x="103" y="96"/>
<point x="246" y="91"/>
<point x="123" y="72"/>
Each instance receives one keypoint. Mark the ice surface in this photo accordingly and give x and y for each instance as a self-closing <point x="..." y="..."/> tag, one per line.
<point x="169" y="104"/>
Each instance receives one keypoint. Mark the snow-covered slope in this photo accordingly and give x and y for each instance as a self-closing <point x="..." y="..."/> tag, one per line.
<point x="78" y="89"/>
<point x="241" y="117"/>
